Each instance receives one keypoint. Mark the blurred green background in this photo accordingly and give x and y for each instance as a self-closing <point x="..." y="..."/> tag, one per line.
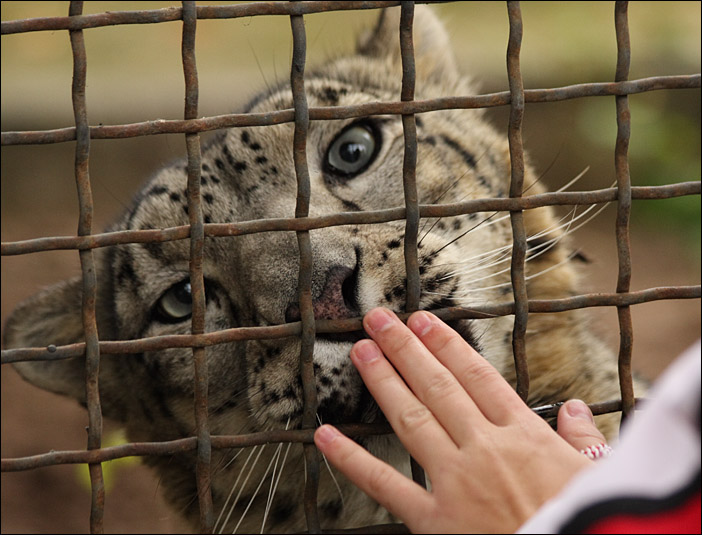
<point x="135" y="74"/>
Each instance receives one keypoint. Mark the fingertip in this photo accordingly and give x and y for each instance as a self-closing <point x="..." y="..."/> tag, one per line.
<point x="421" y="322"/>
<point x="576" y="425"/>
<point x="365" y="351"/>
<point x="378" y="319"/>
<point x="578" y="409"/>
<point x="325" y="435"/>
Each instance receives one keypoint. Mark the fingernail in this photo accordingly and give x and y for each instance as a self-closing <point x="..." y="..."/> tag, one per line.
<point x="365" y="351"/>
<point x="378" y="319"/>
<point x="420" y="323"/>
<point x="578" y="409"/>
<point x="325" y="434"/>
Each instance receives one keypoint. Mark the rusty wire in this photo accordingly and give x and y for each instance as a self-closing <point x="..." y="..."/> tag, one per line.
<point x="171" y="447"/>
<point x="621" y="164"/>
<point x="409" y="164"/>
<point x="171" y="14"/>
<point x="239" y="228"/>
<point x="409" y="183"/>
<point x="301" y="224"/>
<point x="304" y="288"/>
<point x="157" y="343"/>
<point x="197" y="281"/>
<point x="87" y="264"/>
<point x="490" y="100"/>
<point x="516" y="158"/>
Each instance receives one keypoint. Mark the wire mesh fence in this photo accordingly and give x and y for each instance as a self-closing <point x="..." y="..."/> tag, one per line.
<point x="191" y="126"/>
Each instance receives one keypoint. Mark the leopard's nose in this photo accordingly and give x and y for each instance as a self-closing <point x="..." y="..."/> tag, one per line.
<point x="337" y="299"/>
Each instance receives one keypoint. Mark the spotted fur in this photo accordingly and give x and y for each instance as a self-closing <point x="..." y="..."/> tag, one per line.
<point x="247" y="174"/>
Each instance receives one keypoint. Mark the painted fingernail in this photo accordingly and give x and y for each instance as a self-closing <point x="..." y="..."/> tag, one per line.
<point x="366" y="351"/>
<point x="378" y="319"/>
<point x="420" y="323"/>
<point x="325" y="434"/>
<point x="578" y="409"/>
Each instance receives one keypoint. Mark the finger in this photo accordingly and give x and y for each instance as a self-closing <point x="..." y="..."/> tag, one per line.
<point x="431" y="382"/>
<point x="489" y="390"/>
<point x="398" y="494"/>
<point x="415" y="425"/>
<point x="576" y="425"/>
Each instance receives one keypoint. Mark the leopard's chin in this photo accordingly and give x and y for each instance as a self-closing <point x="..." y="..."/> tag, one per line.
<point x="364" y="411"/>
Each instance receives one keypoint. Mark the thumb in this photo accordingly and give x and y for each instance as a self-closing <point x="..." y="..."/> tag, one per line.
<point x="576" y="425"/>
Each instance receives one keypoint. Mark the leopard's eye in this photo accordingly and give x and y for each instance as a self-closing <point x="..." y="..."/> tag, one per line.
<point x="353" y="150"/>
<point x="176" y="304"/>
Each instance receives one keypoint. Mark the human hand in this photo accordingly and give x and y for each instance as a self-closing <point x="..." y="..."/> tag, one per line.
<point x="492" y="462"/>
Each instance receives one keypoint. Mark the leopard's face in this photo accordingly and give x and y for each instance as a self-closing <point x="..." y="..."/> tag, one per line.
<point x="251" y="280"/>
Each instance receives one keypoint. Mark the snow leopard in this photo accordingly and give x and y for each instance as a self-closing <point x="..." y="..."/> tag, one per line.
<point x="355" y="165"/>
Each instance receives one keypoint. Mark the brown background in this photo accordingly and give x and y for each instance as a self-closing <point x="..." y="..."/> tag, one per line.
<point x="135" y="75"/>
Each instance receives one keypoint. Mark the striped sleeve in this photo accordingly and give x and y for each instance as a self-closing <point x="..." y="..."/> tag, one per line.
<point x="651" y="484"/>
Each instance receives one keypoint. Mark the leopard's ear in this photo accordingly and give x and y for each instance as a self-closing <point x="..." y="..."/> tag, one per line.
<point x="434" y="59"/>
<point x="53" y="316"/>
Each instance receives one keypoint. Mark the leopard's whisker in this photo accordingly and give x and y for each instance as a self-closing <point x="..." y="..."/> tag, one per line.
<point x="574" y="180"/>
<point x="466" y="292"/>
<point x="483" y="221"/>
<point x="326" y="462"/>
<point x="243" y="484"/>
<point x="275" y="486"/>
<point x="233" y="487"/>
<point x="254" y="494"/>
<point x="537" y="250"/>
<point x="274" y="479"/>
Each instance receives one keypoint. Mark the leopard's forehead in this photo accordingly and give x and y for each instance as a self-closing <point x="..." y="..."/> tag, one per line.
<point x="263" y="153"/>
<point x="242" y="166"/>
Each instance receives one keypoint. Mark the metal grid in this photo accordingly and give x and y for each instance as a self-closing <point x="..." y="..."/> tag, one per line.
<point x="196" y="231"/>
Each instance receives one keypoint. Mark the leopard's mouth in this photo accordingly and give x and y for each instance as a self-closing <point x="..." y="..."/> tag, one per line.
<point x="365" y="410"/>
<point x="346" y="337"/>
<point x="336" y="406"/>
<point x="462" y="327"/>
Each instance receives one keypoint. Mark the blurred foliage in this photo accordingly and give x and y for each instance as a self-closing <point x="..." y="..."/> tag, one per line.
<point x="664" y="148"/>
